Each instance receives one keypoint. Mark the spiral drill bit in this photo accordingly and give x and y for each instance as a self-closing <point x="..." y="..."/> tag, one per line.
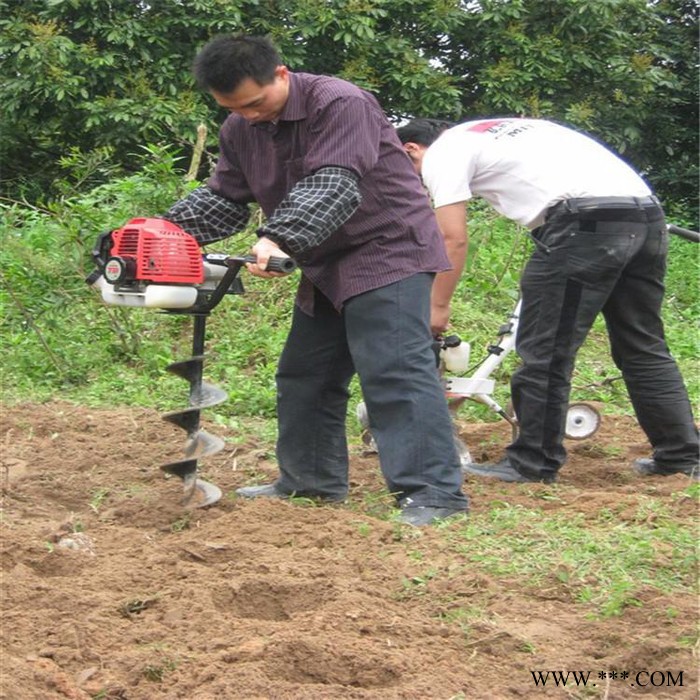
<point x="200" y="443"/>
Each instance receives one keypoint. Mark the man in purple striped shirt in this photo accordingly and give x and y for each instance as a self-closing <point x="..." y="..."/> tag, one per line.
<point x="341" y="197"/>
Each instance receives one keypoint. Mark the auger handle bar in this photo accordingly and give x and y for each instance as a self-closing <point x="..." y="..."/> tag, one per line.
<point x="689" y="235"/>
<point x="230" y="278"/>
<point x="274" y="264"/>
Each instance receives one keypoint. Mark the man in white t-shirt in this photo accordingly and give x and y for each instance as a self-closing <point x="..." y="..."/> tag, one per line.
<point x="600" y="246"/>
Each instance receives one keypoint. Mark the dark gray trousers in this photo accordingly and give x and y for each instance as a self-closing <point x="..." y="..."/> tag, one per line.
<point x="588" y="261"/>
<point x="384" y="336"/>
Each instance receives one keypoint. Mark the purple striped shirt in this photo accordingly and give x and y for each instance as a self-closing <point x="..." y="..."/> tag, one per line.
<point x="330" y="122"/>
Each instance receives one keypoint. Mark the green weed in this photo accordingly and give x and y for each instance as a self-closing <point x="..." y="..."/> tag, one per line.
<point x="364" y="529"/>
<point x="136" y="606"/>
<point x="374" y="503"/>
<point x="57" y="335"/>
<point x="182" y="523"/>
<point x="416" y="585"/>
<point x="156" y="672"/>
<point x="98" y="499"/>
<point x="601" y="563"/>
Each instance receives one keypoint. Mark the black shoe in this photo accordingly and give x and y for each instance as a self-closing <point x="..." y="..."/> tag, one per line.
<point x="647" y="466"/>
<point x="504" y="471"/>
<point x="426" y="515"/>
<point x="271" y="491"/>
<point x="262" y="491"/>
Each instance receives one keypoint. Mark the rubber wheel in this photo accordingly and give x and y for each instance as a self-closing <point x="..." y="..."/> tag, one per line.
<point x="582" y="421"/>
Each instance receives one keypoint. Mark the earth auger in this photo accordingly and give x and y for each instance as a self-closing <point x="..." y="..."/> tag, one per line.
<point x="153" y="263"/>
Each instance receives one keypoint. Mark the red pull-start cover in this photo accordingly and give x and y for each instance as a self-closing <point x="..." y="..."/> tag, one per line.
<point x="163" y="252"/>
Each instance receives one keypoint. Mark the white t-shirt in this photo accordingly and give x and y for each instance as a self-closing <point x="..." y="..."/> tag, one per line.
<point x="523" y="166"/>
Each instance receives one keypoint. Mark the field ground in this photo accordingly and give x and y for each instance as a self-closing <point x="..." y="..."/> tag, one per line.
<point x="110" y="590"/>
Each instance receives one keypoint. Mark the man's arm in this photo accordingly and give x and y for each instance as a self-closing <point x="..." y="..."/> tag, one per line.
<point x="208" y="216"/>
<point x="452" y="220"/>
<point x="314" y="208"/>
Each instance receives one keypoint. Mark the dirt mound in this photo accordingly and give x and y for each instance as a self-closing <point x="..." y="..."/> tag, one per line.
<point x="111" y="590"/>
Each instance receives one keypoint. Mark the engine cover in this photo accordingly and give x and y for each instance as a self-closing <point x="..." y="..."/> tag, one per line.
<point x="155" y="251"/>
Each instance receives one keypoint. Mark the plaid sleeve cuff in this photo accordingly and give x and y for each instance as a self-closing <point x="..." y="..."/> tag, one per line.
<point x="208" y="216"/>
<point x="316" y="206"/>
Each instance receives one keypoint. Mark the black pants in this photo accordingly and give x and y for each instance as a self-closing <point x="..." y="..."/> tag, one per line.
<point x="384" y="335"/>
<point x="589" y="260"/>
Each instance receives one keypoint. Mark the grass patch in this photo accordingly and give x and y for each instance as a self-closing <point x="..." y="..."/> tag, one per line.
<point x="601" y="563"/>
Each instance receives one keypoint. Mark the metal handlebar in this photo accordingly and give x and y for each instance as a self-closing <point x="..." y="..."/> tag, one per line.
<point x="274" y="264"/>
<point x="689" y="235"/>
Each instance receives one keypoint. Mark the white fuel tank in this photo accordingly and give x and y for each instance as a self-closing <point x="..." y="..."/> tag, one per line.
<point x="154" y="296"/>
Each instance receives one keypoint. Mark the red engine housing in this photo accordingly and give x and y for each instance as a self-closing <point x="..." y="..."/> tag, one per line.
<point x="158" y="251"/>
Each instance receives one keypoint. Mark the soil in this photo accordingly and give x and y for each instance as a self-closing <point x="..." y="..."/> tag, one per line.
<point x="112" y="589"/>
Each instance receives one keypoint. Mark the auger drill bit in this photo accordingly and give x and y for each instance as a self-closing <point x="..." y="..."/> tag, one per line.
<point x="200" y="443"/>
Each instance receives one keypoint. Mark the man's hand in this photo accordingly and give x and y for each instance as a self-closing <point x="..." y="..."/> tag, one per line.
<point x="439" y="319"/>
<point x="263" y="250"/>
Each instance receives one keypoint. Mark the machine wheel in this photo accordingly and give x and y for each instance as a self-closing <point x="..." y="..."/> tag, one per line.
<point x="582" y="421"/>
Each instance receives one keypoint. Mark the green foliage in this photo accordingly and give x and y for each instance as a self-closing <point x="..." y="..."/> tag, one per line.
<point x="52" y="329"/>
<point x="82" y="75"/>
<point x="94" y="79"/>
<point x="58" y="338"/>
<point x="622" y="70"/>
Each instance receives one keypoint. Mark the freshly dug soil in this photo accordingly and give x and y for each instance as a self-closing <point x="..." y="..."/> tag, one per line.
<point x="112" y="590"/>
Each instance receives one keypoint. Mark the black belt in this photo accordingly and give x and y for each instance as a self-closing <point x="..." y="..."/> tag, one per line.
<point x="577" y="204"/>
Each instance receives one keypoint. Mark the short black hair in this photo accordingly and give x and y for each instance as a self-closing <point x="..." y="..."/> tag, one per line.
<point x="226" y="61"/>
<point x="422" y="131"/>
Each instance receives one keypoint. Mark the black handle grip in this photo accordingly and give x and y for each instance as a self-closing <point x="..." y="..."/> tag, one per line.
<point x="102" y="248"/>
<point x="684" y="233"/>
<point x="274" y="264"/>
